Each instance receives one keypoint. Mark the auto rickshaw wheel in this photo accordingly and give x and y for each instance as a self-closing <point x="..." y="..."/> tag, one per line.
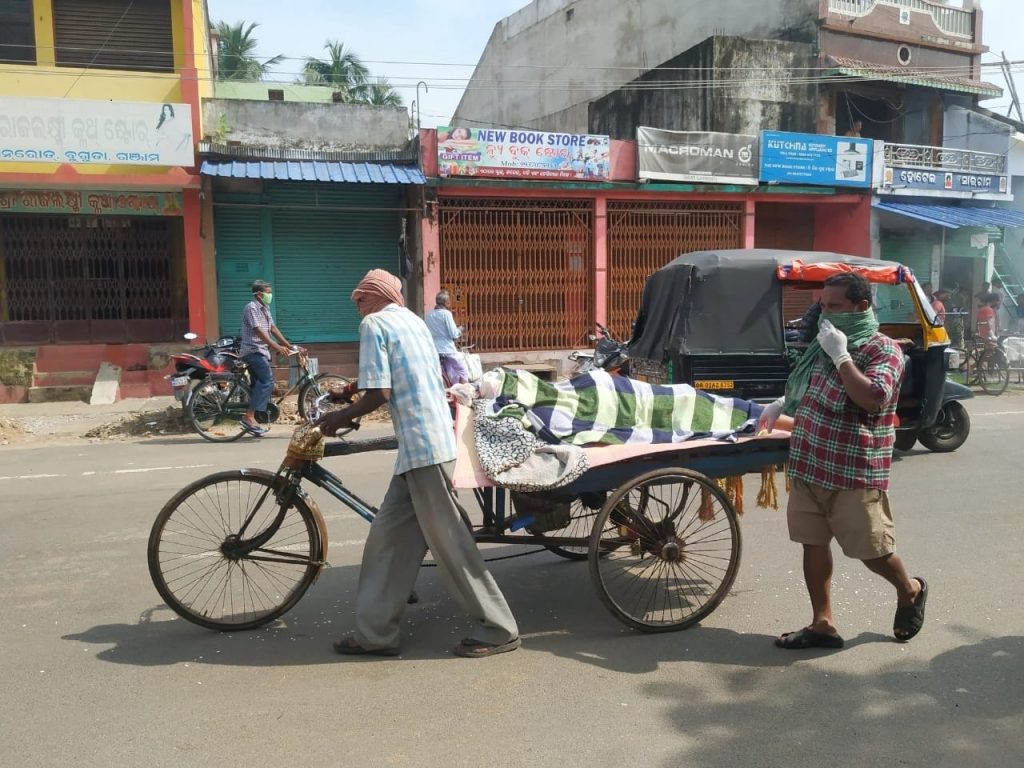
<point x="950" y="430"/>
<point x="906" y="439"/>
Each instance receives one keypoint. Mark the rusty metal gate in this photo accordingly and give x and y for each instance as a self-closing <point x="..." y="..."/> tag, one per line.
<point x="519" y="271"/>
<point x="643" y="237"/>
<point x="91" y="279"/>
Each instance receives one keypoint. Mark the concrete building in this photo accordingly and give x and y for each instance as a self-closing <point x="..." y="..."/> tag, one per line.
<point x="308" y="194"/>
<point x="100" y="251"/>
<point x="544" y="64"/>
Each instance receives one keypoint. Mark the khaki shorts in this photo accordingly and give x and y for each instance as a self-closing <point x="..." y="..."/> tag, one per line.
<point x="859" y="519"/>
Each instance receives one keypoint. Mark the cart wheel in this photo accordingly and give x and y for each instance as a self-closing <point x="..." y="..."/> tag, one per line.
<point x="665" y="550"/>
<point x="581" y="522"/>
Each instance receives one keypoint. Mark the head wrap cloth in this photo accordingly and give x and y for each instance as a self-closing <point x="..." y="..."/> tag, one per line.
<point x="378" y="289"/>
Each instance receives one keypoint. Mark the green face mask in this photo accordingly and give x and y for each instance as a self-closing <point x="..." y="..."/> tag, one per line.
<point x="266" y="298"/>
<point x="858" y="324"/>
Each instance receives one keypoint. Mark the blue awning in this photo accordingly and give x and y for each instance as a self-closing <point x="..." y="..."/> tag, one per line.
<point x="313" y="170"/>
<point x="954" y="217"/>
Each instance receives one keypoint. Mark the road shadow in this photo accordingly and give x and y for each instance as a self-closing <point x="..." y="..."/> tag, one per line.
<point x="962" y="707"/>
<point x="554" y="602"/>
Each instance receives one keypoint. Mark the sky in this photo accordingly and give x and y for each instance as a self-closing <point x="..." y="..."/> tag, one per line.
<point x="439" y="42"/>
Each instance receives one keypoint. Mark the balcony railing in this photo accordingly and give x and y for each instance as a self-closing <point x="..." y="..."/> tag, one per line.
<point x="961" y="160"/>
<point x="955" y="22"/>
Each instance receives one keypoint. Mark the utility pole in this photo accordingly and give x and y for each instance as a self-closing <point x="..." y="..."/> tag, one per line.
<point x="1008" y="74"/>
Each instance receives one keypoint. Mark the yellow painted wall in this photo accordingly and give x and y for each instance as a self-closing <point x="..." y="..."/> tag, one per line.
<point x="202" y="37"/>
<point x="46" y="80"/>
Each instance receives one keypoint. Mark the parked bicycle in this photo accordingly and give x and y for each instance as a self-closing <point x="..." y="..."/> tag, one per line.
<point x="984" y="364"/>
<point x="216" y="406"/>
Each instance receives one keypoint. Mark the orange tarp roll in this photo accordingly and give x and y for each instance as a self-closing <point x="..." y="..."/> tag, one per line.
<point x="818" y="273"/>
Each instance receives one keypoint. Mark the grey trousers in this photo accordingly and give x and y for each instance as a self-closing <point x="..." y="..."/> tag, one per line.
<point x="419" y="511"/>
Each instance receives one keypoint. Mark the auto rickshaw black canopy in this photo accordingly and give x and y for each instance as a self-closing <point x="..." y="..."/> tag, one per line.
<point x="722" y="302"/>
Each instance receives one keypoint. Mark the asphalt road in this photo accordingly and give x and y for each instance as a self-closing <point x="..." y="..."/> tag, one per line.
<point x="97" y="672"/>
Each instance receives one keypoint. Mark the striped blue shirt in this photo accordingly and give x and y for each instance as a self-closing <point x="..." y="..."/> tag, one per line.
<point x="396" y="352"/>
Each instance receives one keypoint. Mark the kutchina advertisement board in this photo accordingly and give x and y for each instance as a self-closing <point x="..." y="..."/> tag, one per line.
<point x="697" y="156"/>
<point x="522" y="154"/>
<point x="807" y="158"/>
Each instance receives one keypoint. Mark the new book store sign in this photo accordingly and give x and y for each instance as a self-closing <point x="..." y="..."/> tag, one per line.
<point x="522" y="154"/>
<point x="80" y="131"/>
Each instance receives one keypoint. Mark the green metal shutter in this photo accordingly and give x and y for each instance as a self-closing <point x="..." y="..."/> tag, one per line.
<point x="915" y="253"/>
<point x="320" y="255"/>
<point x="239" y="239"/>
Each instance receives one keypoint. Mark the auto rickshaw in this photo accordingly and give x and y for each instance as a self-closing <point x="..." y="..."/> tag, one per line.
<point x="715" y="320"/>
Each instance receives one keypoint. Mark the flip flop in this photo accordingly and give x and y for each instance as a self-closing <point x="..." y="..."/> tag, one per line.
<point x="910" y="618"/>
<point x="252" y="429"/>
<point x="808" y="638"/>
<point x="475" y="649"/>
<point x="349" y="647"/>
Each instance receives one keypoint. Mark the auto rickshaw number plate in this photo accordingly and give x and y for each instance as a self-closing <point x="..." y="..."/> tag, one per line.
<point x="714" y="384"/>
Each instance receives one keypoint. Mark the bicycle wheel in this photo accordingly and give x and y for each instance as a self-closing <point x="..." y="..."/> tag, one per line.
<point x="665" y="550"/>
<point x="192" y="567"/>
<point x="320" y="385"/>
<point x="215" y="407"/>
<point x="993" y="372"/>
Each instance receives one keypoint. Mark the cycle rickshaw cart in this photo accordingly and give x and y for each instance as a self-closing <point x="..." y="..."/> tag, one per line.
<point x="236" y="550"/>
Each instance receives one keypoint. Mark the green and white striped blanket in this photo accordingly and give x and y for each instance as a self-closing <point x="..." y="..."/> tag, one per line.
<point x="599" y="408"/>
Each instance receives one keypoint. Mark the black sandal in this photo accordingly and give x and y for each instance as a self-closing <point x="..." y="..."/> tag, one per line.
<point x="910" y="618"/>
<point x="808" y="638"/>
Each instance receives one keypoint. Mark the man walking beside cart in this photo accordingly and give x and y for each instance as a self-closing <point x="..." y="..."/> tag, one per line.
<point x="843" y="396"/>
<point x="398" y="366"/>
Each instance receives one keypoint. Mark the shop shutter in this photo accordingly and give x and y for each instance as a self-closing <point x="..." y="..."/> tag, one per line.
<point x="320" y="255"/>
<point x="915" y="253"/>
<point x="240" y="247"/>
<point x="114" y="34"/>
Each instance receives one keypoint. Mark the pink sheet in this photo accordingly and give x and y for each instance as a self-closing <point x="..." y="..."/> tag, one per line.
<point x="469" y="474"/>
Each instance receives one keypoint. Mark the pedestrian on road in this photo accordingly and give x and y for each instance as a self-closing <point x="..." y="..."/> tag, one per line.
<point x="444" y="331"/>
<point x="844" y="403"/>
<point x="258" y="335"/>
<point x="398" y="366"/>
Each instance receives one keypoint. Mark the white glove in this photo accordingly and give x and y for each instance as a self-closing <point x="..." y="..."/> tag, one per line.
<point x="833" y="342"/>
<point x="770" y="414"/>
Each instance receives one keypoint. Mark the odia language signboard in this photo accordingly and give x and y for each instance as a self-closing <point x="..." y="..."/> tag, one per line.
<point x="81" y="131"/>
<point x="522" y="154"/>
<point x="700" y="156"/>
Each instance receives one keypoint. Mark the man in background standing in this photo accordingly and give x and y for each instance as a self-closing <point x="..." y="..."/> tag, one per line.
<point x="443" y="330"/>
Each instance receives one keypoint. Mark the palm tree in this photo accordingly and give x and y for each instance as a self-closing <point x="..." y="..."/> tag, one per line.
<point x="235" y="59"/>
<point x="380" y="94"/>
<point x="342" y="70"/>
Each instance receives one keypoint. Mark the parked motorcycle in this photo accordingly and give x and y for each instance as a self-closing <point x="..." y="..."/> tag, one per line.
<point x="609" y="354"/>
<point x="191" y="368"/>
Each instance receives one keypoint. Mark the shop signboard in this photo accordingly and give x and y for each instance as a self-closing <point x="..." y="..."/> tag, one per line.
<point x="515" y="153"/>
<point x="91" y="203"/>
<point x="807" y="158"/>
<point x="896" y="178"/>
<point x="89" y="132"/>
<point x="697" y="156"/>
